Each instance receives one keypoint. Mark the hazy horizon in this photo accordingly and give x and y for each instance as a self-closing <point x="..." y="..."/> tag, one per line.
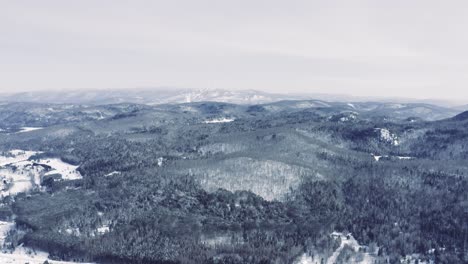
<point x="331" y="97"/>
<point x="365" y="49"/>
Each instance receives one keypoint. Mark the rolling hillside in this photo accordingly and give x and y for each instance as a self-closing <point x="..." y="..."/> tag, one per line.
<point x="228" y="183"/>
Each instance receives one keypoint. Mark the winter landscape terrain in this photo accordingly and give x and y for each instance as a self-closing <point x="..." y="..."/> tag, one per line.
<point x="231" y="177"/>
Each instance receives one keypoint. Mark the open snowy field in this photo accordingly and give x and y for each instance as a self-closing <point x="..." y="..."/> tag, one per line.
<point x="19" y="174"/>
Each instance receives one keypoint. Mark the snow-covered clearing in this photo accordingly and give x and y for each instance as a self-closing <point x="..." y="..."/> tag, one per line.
<point x="68" y="171"/>
<point x="346" y="241"/>
<point x="20" y="180"/>
<point x="14" y="156"/>
<point x="219" y="120"/>
<point x="19" y="174"/>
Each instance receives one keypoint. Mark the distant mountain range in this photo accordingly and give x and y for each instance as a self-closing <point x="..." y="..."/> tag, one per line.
<point x="170" y="95"/>
<point x="149" y="96"/>
<point x="394" y="108"/>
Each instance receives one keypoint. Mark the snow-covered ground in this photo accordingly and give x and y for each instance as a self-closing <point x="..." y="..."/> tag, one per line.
<point x="415" y="259"/>
<point x="160" y="161"/>
<point x="19" y="174"/>
<point x="346" y="241"/>
<point x="22" y="254"/>
<point x="387" y="136"/>
<point x="404" y="157"/>
<point x="112" y="173"/>
<point x="378" y="158"/>
<point x="219" y="120"/>
<point x="68" y="171"/>
<point x="21" y="179"/>
<point x="350" y="117"/>
<point x="4" y="228"/>
<point x="103" y="229"/>
<point x="28" y="129"/>
<point x="15" y="155"/>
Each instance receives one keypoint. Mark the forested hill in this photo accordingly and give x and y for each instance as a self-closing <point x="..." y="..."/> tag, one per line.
<point x="211" y="182"/>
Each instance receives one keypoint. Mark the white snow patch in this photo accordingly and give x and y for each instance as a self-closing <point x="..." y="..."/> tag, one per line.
<point x="103" y="229"/>
<point x="306" y="259"/>
<point x="13" y="183"/>
<point x="346" y="240"/>
<point x="17" y="174"/>
<point x="5" y="227"/>
<point x="377" y="158"/>
<point x="350" y="117"/>
<point x="28" y="129"/>
<point x="68" y="171"/>
<point x="160" y="161"/>
<point x="112" y="173"/>
<point x="219" y="120"/>
<point x="404" y="158"/>
<point x="15" y="155"/>
<point x="387" y="136"/>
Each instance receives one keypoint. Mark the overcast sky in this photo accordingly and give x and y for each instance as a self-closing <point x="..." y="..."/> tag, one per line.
<point x="365" y="48"/>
